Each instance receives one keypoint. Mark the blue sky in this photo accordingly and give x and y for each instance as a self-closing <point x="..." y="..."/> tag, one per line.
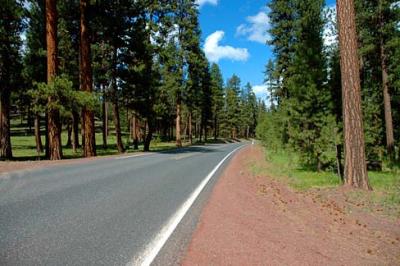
<point x="234" y="35"/>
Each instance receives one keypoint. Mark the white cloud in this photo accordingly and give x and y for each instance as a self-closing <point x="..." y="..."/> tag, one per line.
<point x="203" y="2"/>
<point x="215" y="52"/>
<point x="260" y="90"/>
<point x="256" y="28"/>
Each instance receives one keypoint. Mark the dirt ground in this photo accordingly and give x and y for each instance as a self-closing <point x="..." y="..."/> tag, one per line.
<point x="254" y="220"/>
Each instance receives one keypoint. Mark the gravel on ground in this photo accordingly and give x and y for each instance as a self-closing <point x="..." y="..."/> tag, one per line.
<point x="257" y="220"/>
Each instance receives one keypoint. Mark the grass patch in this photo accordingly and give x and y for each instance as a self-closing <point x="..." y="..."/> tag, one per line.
<point x="286" y="167"/>
<point x="283" y="165"/>
<point x="24" y="147"/>
<point x="385" y="194"/>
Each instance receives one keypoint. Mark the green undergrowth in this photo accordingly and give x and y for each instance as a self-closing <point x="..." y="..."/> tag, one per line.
<point x="385" y="194"/>
<point x="286" y="167"/>
<point x="24" y="147"/>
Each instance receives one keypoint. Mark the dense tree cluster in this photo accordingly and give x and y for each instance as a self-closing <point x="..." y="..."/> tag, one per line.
<point x="306" y="83"/>
<point x="65" y="63"/>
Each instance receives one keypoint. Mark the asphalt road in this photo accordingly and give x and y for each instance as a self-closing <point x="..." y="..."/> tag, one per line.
<point x="104" y="212"/>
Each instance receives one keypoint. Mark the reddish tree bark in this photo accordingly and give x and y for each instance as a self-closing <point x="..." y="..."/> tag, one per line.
<point x="89" y="143"/>
<point x="117" y="125"/>
<point x="105" y="122"/>
<point x="5" y="138"/>
<point x="135" y="132"/>
<point x="355" y="168"/>
<point x="387" y="106"/>
<point x="215" y="127"/>
<point x="75" y="131"/>
<point x="190" y="128"/>
<point x="38" y="137"/>
<point x="178" y="123"/>
<point x="386" y="94"/>
<point x="53" y="117"/>
<point x="148" y="135"/>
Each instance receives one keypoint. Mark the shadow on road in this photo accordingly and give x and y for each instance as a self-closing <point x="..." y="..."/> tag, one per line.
<point x="184" y="150"/>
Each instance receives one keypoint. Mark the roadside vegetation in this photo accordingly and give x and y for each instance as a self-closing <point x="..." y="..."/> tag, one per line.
<point x="287" y="167"/>
<point x="104" y="77"/>
<point x="331" y="120"/>
<point x="24" y="145"/>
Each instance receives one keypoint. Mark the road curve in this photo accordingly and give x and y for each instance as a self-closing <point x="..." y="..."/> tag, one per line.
<point x="104" y="212"/>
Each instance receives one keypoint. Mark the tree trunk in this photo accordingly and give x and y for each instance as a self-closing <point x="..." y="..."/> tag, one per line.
<point x="5" y="138"/>
<point x="69" y="134"/>
<point x="75" y="131"/>
<point x="355" y="168"/>
<point x="55" y="148"/>
<point x="38" y="137"/>
<point x="190" y="128"/>
<point x="386" y="95"/>
<point x="215" y="127"/>
<point x="53" y="119"/>
<point x="82" y="129"/>
<point x="46" y="136"/>
<point x="29" y="119"/>
<point x="387" y="107"/>
<point x="339" y="165"/>
<point x="205" y="131"/>
<point x="117" y="125"/>
<point x="178" y="123"/>
<point x="105" y="123"/>
<point x="319" y="163"/>
<point x="186" y="130"/>
<point x="131" y="122"/>
<point x="148" y="136"/>
<point x="135" y="132"/>
<point x="89" y="144"/>
<point x="201" y="131"/>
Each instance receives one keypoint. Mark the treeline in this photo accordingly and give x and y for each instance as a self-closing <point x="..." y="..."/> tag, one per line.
<point x="66" y="62"/>
<point x="307" y="87"/>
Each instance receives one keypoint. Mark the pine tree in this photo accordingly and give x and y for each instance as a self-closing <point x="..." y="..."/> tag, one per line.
<point x="206" y="95"/>
<point x="145" y="41"/>
<point x="35" y="56"/>
<point x="217" y="90"/>
<point x="116" y="24"/>
<point x="53" y="114"/>
<point x="89" y="140"/>
<point x="10" y="30"/>
<point x="248" y="111"/>
<point x="282" y="29"/>
<point x="376" y="23"/>
<point x="309" y="100"/>
<point x="297" y="79"/>
<point x="355" y="169"/>
<point x="69" y="39"/>
<point x="232" y="94"/>
<point x="184" y="51"/>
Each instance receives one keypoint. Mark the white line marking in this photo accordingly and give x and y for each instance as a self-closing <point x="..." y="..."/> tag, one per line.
<point x="147" y="256"/>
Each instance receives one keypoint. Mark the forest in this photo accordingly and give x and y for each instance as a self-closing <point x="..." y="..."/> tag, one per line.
<point x="89" y="77"/>
<point x="325" y="98"/>
<point x="76" y="75"/>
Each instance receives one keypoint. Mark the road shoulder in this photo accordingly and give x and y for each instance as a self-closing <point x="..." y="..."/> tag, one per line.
<point x="255" y="220"/>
